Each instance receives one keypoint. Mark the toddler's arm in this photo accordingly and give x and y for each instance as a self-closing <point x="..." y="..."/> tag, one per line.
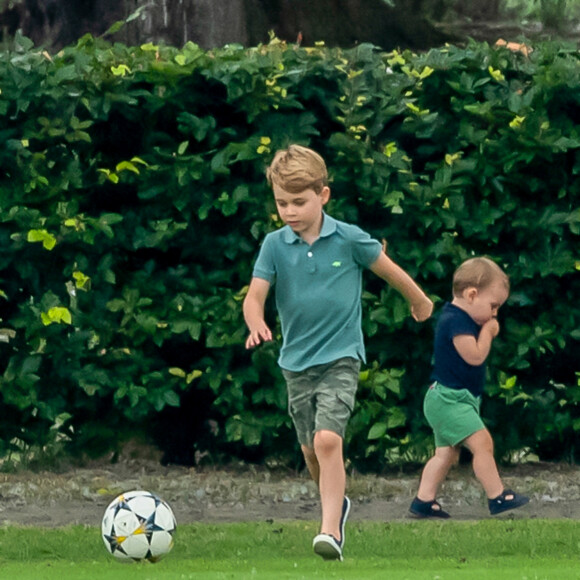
<point x="385" y="268"/>
<point x="254" y="312"/>
<point x="474" y="350"/>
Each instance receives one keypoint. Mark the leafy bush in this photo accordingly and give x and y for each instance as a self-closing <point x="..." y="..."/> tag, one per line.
<point x="134" y="203"/>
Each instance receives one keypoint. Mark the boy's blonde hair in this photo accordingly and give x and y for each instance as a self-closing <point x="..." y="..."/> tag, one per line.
<point x="296" y="169"/>
<point x="478" y="273"/>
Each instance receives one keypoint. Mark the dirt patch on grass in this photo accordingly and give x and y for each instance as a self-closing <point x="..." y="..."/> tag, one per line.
<point x="247" y="493"/>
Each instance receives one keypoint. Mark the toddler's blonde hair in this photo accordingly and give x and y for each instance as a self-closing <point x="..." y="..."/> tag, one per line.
<point x="478" y="273"/>
<point x="296" y="169"/>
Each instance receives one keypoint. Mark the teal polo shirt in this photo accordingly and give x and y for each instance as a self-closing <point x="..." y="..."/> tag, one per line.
<point x="318" y="291"/>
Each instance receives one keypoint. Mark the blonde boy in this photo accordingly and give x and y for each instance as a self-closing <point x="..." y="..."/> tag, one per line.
<point x="463" y="337"/>
<point x="316" y="264"/>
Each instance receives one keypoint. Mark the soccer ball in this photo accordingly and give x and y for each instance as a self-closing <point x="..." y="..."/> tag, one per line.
<point x="138" y="525"/>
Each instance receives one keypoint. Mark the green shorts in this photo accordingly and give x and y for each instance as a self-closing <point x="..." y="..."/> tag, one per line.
<point x="452" y="413"/>
<point x="322" y="397"/>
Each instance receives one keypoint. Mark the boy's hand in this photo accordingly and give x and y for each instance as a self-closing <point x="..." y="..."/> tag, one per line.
<point x="491" y="326"/>
<point x="422" y="310"/>
<point x="259" y="335"/>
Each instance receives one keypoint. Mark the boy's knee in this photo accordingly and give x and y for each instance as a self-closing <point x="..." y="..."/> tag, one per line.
<point x="327" y="441"/>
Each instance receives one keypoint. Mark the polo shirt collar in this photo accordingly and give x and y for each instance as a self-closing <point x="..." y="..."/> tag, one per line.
<point x="327" y="229"/>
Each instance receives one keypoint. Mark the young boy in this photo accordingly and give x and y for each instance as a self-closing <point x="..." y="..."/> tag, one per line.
<point x="316" y="264"/>
<point x="463" y="337"/>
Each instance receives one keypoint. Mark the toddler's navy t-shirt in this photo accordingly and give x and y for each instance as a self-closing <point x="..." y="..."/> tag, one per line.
<point x="450" y="369"/>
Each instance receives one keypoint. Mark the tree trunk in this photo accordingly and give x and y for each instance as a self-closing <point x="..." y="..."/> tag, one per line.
<point x="214" y="23"/>
<point x="57" y="23"/>
<point x="209" y="23"/>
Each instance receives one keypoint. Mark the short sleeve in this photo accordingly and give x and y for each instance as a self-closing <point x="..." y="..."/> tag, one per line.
<point x="365" y="249"/>
<point x="463" y="325"/>
<point x="265" y="267"/>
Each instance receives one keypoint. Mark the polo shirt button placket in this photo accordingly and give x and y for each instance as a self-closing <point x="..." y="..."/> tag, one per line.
<point x="311" y="267"/>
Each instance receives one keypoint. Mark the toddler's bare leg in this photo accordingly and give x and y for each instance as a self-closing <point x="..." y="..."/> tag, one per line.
<point x="481" y="446"/>
<point x="435" y="471"/>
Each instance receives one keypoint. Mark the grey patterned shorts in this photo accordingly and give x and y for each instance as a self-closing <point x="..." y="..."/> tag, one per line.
<point x="322" y="397"/>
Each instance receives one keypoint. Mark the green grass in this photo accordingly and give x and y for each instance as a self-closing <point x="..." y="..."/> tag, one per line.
<point x="487" y="549"/>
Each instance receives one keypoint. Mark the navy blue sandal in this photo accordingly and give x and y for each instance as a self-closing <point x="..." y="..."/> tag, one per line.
<point x="427" y="509"/>
<point x="501" y="503"/>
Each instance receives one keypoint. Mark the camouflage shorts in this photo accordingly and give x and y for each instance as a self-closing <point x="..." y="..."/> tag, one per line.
<point x="322" y="397"/>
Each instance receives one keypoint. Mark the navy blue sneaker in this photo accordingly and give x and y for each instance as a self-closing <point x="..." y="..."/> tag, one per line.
<point x="326" y="545"/>
<point x="343" y="518"/>
<point x="508" y="500"/>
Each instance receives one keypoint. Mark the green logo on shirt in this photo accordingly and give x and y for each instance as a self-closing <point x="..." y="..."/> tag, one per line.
<point x="336" y="264"/>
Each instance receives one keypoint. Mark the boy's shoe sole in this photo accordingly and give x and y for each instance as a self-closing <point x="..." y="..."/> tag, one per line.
<point x="500" y="504"/>
<point x="327" y="547"/>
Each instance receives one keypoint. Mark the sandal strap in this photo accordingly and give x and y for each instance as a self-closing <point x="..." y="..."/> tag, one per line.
<point x="428" y="509"/>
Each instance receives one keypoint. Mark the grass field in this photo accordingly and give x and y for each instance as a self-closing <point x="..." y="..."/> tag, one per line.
<point x="488" y="549"/>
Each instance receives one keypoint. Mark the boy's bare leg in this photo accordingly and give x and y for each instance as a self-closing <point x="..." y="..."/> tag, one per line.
<point x="311" y="463"/>
<point x="331" y="480"/>
<point x="481" y="446"/>
<point x="435" y="471"/>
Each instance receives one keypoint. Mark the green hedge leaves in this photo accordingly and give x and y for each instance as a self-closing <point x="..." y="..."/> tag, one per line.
<point x="133" y="203"/>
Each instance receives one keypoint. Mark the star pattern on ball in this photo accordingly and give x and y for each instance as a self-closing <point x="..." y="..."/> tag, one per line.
<point x="138" y="526"/>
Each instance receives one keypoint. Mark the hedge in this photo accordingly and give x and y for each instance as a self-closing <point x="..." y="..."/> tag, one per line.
<point x="134" y="201"/>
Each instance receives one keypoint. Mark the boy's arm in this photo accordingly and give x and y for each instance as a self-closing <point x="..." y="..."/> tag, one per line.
<point x="254" y="312"/>
<point x="474" y="350"/>
<point x="385" y="268"/>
